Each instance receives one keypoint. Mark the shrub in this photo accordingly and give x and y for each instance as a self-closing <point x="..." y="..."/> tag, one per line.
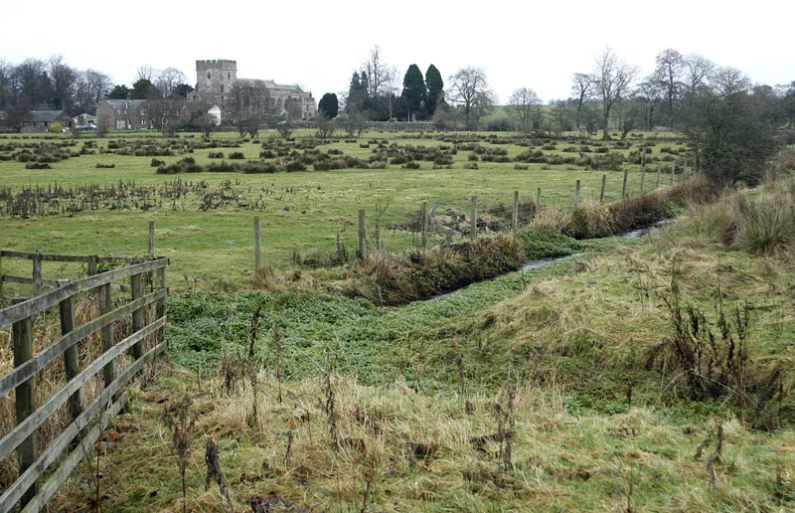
<point x="236" y="155"/>
<point x="765" y="224"/>
<point x="101" y="165"/>
<point x="295" y="166"/>
<point x="216" y="155"/>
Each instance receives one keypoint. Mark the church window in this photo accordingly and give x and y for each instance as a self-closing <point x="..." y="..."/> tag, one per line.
<point x="228" y="76"/>
<point x="208" y="75"/>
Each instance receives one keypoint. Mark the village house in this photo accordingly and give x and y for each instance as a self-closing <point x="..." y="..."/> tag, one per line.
<point x="42" y="120"/>
<point x="123" y="115"/>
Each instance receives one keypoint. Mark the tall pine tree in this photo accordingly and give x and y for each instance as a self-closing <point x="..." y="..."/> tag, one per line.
<point x="414" y="93"/>
<point x="435" y="85"/>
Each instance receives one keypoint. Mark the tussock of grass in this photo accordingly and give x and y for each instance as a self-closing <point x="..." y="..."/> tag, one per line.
<point x="592" y="219"/>
<point x="388" y="280"/>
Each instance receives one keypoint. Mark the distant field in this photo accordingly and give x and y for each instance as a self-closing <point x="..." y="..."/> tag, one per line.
<point x="299" y="210"/>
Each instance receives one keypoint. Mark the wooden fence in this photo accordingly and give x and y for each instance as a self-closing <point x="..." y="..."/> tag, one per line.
<point x="36" y="482"/>
<point x="92" y="264"/>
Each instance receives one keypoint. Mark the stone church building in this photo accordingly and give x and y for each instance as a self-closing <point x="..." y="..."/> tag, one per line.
<point x="218" y="87"/>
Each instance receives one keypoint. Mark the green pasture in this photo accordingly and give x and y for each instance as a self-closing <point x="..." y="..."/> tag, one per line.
<point x="302" y="210"/>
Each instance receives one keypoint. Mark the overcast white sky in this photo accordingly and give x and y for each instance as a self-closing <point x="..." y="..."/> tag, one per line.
<point x="318" y="44"/>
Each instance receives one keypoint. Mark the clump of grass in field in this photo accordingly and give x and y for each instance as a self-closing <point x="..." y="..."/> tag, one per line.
<point x="590" y="219"/>
<point x="389" y="280"/>
<point x="547" y="243"/>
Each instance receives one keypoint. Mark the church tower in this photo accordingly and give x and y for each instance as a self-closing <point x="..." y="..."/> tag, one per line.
<point x="214" y="79"/>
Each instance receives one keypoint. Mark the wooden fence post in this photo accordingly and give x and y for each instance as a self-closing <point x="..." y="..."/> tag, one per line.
<point x="577" y="193"/>
<point x="515" y="220"/>
<point x="37" y="273"/>
<point x="257" y="245"/>
<point x="624" y="186"/>
<point x="424" y="227"/>
<point x="673" y="172"/>
<point x="695" y="160"/>
<point x="93" y="265"/>
<point x="602" y="192"/>
<point x="642" y="180"/>
<point x="538" y="199"/>
<point x="27" y="451"/>
<point x="642" y="169"/>
<point x="70" y="356"/>
<point x="106" y="306"/>
<point x="363" y="235"/>
<point x="658" y="177"/>
<point x="137" y="286"/>
<point x="2" y="294"/>
<point x="151" y="240"/>
<point x="473" y="232"/>
<point x="160" y="305"/>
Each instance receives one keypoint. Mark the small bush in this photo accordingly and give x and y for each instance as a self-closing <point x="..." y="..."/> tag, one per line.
<point x="37" y="165"/>
<point x="101" y="165"/>
<point x="236" y="155"/>
<point x="295" y="166"/>
<point x="215" y="155"/>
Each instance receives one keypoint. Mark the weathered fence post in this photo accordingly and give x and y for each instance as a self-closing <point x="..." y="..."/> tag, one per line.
<point x="658" y="177"/>
<point x="577" y="193"/>
<point x="473" y="232"/>
<point x="602" y="192"/>
<point x="37" y="273"/>
<point x="424" y="227"/>
<point x="151" y="240"/>
<point x="695" y="160"/>
<point x="363" y="235"/>
<point x="257" y="245"/>
<point x="515" y="223"/>
<point x="137" y="286"/>
<point x="642" y="180"/>
<point x="538" y="199"/>
<point x="160" y="305"/>
<point x="70" y="356"/>
<point x="27" y="451"/>
<point x="624" y="186"/>
<point x="2" y="293"/>
<point x="673" y="172"/>
<point x="93" y="265"/>
<point x="106" y="306"/>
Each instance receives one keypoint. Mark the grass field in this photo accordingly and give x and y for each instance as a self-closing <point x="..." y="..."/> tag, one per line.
<point x="530" y="392"/>
<point x="299" y="210"/>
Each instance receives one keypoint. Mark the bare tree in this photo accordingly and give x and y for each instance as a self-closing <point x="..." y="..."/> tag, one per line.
<point x="613" y="79"/>
<point x="698" y="71"/>
<point x="145" y="72"/>
<point x="670" y="64"/>
<point x="582" y="88"/>
<point x="470" y="90"/>
<point x="64" y="83"/>
<point x="650" y="93"/>
<point x="97" y="86"/>
<point x="728" y="81"/>
<point x="6" y="92"/>
<point x="378" y="72"/>
<point x="524" y="108"/>
<point x="167" y="81"/>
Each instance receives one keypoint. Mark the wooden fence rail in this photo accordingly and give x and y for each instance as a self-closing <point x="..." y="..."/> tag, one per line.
<point x="87" y="421"/>
<point x="92" y="263"/>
